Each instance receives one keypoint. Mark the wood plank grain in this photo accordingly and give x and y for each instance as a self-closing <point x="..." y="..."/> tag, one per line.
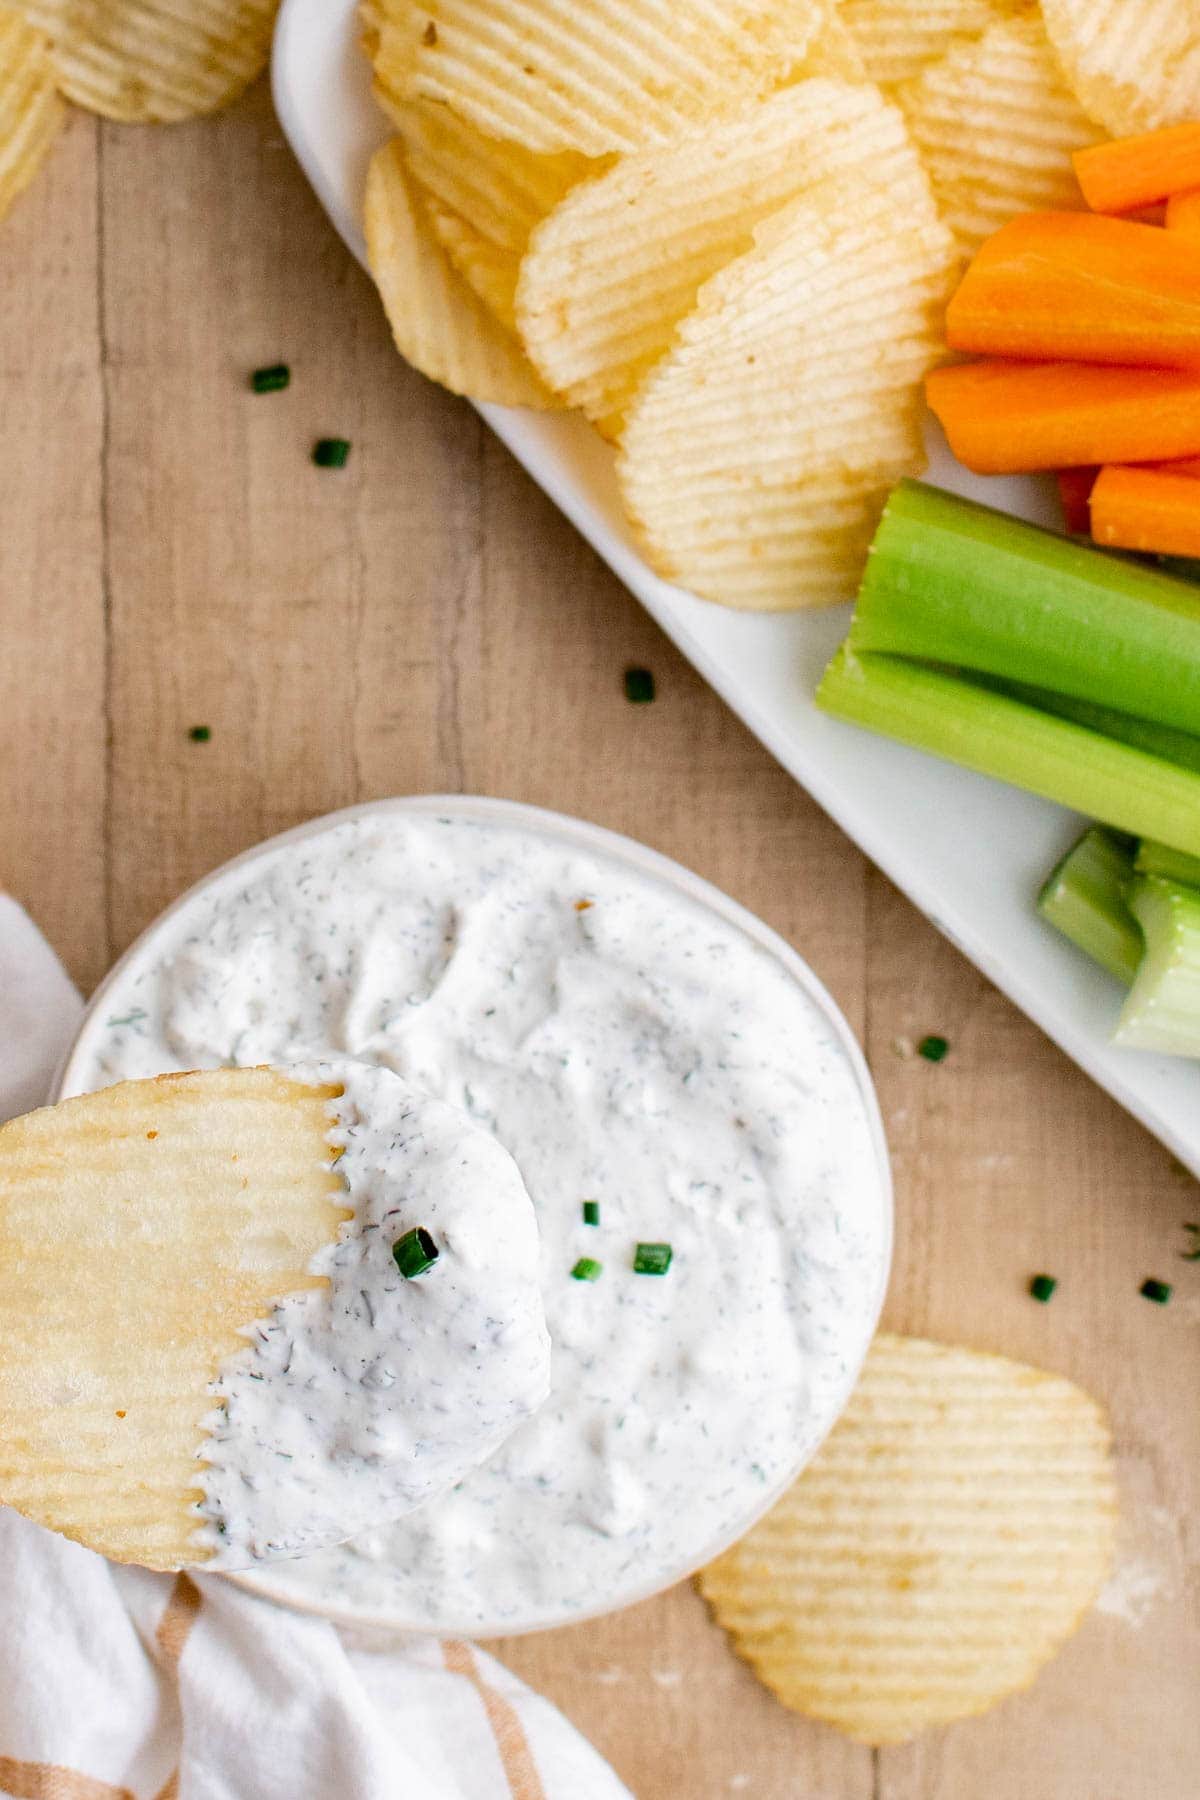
<point x="1009" y="1162"/>
<point x="52" y="672"/>
<point x="425" y="620"/>
<point x="305" y="615"/>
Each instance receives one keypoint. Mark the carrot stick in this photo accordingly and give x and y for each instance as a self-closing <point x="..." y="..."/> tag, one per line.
<point x="1137" y="171"/>
<point x="1074" y="285"/>
<point x="1183" y="213"/>
<point x="1145" y="509"/>
<point x="1005" y="418"/>
<point x="1074" y="491"/>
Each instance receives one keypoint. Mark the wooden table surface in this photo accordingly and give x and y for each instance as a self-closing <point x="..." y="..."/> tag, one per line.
<point x="426" y="621"/>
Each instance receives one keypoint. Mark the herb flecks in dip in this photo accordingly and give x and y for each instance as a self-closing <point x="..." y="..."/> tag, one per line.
<point x="644" y="1053"/>
<point x="354" y="1402"/>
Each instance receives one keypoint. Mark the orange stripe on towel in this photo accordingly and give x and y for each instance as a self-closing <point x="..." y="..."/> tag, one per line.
<point x="179" y="1616"/>
<point x="516" y="1758"/>
<point x="47" y="1781"/>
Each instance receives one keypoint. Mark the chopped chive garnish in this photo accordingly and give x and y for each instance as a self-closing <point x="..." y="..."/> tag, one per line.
<point x="415" y="1252"/>
<point x="933" y="1049"/>
<point x="200" y="734"/>
<point x="591" y="1212"/>
<point x="652" y="1259"/>
<point x="639" y="686"/>
<point x="270" y="381"/>
<point x="1192" y="1255"/>
<point x="1042" y="1286"/>
<point x="331" y="453"/>
<point x="1158" y="1291"/>
<point x="586" y="1269"/>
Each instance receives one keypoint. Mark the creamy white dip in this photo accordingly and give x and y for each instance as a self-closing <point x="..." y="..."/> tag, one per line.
<point x="630" y="1047"/>
<point x="355" y="1402"/>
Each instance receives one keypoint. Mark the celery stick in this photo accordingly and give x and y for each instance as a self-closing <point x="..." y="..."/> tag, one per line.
<point x="1084" y="898"/>
<point x="1187" y="568"/>
<point x="1142" y="734"/>
<point x="1157" y="859"/>
<point x="983" y="730"/>
<point x="1163" y="1008"/>
<point x="958" y="583"/>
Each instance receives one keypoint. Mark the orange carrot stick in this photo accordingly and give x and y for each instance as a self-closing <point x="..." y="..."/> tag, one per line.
<point x="1145" y="509"/>
<point x="1007" y="418"/>
<point x="1183" y="212"/>
<point x="1137" y="171"/>
<point x="1074" y="491"/>
<point x="1077" y="286"/>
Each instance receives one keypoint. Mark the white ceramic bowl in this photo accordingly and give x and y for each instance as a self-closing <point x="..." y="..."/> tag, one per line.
<point x="77" y="1076"/>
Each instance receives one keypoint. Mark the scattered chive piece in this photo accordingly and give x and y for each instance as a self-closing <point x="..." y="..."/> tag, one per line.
<point x="586" y="1269"/>
<point x="415" y="1252"/>
<point x="933" y="1049"/>
<point x="331" y="453"/>
<point x="591" y="1212"/>
<point x="1192" y="1255"/>
<point x="652" y="1259"/>
<point x="1042" y="1286"/>
<point x="270" y="381"/>
<point x="639" y="686"/>
<point x="1158" y="1291"/>
<point x="200" y="734"/>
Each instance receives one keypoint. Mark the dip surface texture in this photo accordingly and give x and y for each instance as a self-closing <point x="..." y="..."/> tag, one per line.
<point x="629" y="1047"/>
<point x="355" y="1402"/>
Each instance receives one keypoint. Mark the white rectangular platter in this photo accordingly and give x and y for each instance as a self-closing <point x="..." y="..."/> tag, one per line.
<point x="968" y="852"/>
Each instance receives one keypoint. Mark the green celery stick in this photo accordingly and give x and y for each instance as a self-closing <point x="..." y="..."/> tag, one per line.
<point x="999" y="736"/>
<point x="1186" y="567"/>
<point x="1163" y="1009"/>
<point x="1084" y="898"/>
<point x="1157" y="859"/>
<point x="957" y="583"/>
<point x="1142" y="734"/>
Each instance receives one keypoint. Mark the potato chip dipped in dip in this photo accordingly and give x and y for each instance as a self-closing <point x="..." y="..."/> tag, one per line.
<point x="250" y="1313"/>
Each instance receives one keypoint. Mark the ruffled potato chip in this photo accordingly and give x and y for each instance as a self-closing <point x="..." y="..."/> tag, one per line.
<point x="613" y="270"/>
<point x="1134" y="64"/>
<point x="488" y="268"/>
<point x="995" y="124"/>
<point x="146" y="60"/>
<point x="482" y="196"/>
<point x="756" y="457"/>
<point x="896" y="38"/>
<point x="614" y="75"/>
<point x="938" y="1551"/>
<point x="440" y="324"/>
<point x="141" y="1230"/>
<point x="30" y="109"/>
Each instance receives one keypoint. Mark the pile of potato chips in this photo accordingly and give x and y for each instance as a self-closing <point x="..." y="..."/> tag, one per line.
<point x="140" y="61"/>
<point x="725" y="230"/>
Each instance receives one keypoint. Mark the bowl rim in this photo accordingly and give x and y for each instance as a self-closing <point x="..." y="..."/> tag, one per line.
<point x="614" y="846"/>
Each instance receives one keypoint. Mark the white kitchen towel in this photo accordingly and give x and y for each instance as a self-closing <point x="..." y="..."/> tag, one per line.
<point x="116" y="1684"/>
